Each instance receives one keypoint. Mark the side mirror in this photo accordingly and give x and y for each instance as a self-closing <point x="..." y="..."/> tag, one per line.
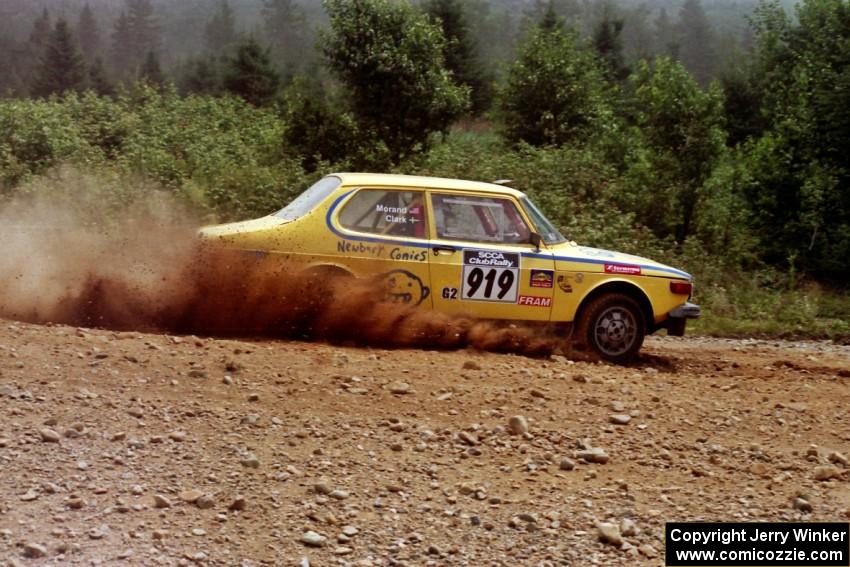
<point x="535" y="240"/>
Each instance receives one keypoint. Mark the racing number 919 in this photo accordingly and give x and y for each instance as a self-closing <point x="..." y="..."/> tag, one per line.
<point x="489" y="284"/>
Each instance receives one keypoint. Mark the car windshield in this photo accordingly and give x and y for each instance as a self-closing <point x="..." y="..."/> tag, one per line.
<point x="547" y="230"/>
<point x="307" y="201"/>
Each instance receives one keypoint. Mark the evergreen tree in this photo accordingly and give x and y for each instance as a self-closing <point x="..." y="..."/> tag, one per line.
<point x="742" y="106"/>
<point x="123" y="57"/>
<point x="151" y="72"/>
<point x="251" y="76"/>
<point x="202" y="77"/>
<point x="460" y="51"/>
<point x="220" y="33"/>
<point x="609" y="47"/>
<point x="41" y="30"/>
<point x="696" y="40"/>
<point x="88" y="33"/>
<point x="285" y="26"/>
<point x="98" y="80"/>
<point x="667" y="42"/>
<point x="551" y="21"/>
<point x="62" y="68"/>
<point x="143" y="29"/>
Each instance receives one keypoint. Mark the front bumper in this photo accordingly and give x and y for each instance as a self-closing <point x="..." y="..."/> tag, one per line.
<point x="676" y="319"/>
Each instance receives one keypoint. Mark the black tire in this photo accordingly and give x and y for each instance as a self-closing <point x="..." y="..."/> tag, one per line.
<point x="613" y="327"/>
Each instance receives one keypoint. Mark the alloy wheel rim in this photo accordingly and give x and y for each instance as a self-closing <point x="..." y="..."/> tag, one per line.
<point x="615" y="331"/>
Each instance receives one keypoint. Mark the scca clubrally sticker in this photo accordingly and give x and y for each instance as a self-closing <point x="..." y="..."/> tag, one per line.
<point x="490" y="275"/>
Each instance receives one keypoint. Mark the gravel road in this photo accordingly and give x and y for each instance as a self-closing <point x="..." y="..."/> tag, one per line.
<point x="137" y="449"/>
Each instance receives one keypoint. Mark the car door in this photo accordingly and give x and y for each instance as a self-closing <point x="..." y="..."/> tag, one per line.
<point x="383" y="232"/>
<point x="482" y="262"/>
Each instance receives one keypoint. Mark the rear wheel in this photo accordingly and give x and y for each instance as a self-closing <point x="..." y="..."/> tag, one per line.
<point x="613" y="326"/>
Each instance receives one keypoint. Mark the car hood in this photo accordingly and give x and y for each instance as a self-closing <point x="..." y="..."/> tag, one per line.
<point x="608" y="261"/>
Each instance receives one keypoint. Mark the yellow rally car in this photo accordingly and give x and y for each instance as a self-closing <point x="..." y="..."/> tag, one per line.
<point x="471" y="248"/>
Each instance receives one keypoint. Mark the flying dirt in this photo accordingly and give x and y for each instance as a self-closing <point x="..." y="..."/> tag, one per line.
<point x="147" y="271"/>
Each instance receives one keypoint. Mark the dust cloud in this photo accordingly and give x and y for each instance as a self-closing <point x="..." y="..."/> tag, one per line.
<point x="87" y="251"/>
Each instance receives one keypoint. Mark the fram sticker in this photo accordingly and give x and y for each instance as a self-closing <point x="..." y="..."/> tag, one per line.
<point x="542" y="278"/>
<point x="534" y="301"/>
<point x="622" y="269"/>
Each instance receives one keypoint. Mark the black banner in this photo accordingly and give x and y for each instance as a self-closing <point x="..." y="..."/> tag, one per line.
<point x="803" y="544"/>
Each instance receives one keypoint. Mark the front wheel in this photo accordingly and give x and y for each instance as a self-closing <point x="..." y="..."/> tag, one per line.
<point x="613" y="326"/>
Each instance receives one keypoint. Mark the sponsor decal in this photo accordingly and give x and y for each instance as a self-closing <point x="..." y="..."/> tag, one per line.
<point x="491" y="258"/>
<point x="622" y="269"/>
<point x="398" y="215"/>
<point x="401" y="286"/>
<point x="542" y="278"/>
<point x="564" y="284"/>
<point x="408" y="255"/>
<point x="360" y="248"/>
<point x="579" y="278"/>
<point x="534" y="301"/>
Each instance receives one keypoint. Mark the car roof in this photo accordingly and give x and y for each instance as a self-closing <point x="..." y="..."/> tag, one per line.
<point x="387" y="179"/>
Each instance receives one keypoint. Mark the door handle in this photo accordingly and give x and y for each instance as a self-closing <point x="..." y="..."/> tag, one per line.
<point x="447" y="249"/>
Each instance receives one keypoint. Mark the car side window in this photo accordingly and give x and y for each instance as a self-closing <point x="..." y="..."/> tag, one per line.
<point x="386" y="212"/>
<point x="479" y="219"/>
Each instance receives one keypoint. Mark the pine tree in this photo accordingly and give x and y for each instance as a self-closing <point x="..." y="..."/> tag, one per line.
<point x="460" y="52"/>
<point x="123" y="57"/>
<point x="251" y="76"/>
<point x="202" y="77"/>
<point x="609" y="47"/>
<point x="41" y="29"/>
<point x="143" y="30"/>
<point x="97" y="79"/>
<point x="697" y="42"/>
<point x="665" y="33"/>
<point x="220" y="33"/>
<point x="62" y="67"/>
<point x="88" y="33"/>
<point x="151" y="72"/>
<point x="551" y="22"/>
<point x="284" y="24"/>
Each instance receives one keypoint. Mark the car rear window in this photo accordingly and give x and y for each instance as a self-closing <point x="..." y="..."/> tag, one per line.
<point x="309" y="199"/>
<point x="386" y="211"/>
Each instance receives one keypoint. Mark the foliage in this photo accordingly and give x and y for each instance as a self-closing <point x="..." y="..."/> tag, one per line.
<point x="251" y="76"/>
<point x="554" y="92"/>
<point x="678" y="137"/>
<point x="221" y="153"/>
<point x="391" y="60"/>
<point x="800" y="165"/>
<point x="315" y="127"/>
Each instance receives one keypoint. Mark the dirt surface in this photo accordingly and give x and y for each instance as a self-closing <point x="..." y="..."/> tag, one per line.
<point x="127" y="448"/>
